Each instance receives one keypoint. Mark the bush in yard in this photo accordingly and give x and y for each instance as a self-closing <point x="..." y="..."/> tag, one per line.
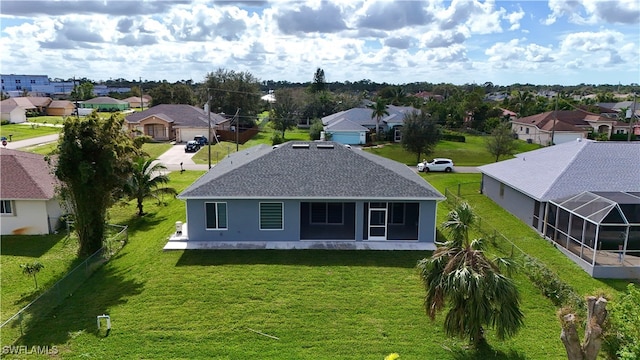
<point x="622" y="339"/>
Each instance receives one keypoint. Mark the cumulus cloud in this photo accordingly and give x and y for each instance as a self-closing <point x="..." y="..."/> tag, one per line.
<point x="385" y="15"/>
<point x="327" y="18"/>
<point x="101" y="7"/>
<point x="595" y="11"/>
<point x="516" y="52"/>
<point x="440" y="39"/>
<point x="514" y="19"/>
<point x="403" y="42"/>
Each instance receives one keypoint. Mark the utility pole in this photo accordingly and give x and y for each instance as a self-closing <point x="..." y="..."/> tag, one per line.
<point x="209" y="118"/>
<point x="633" y="116"/>
<point x="141" y="98"/>
<point x="555" y="118"/>
<point x="237" y="117"/>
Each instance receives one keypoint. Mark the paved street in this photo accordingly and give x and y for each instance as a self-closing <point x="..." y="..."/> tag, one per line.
<point x="32" y="142"/>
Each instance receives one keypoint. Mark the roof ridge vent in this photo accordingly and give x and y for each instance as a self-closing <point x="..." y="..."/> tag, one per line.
<point x="300" y="145"/>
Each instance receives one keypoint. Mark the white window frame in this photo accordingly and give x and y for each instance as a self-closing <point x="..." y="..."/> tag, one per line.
<point x="281" y="216"/>
<point x="217" y="207"/>
<point x="3" y="208"/>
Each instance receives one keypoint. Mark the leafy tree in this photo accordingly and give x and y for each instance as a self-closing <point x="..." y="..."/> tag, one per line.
<point x="145" y="182"/>
<point x="420" y="133"/>
<point x="461" y="278"/>
<point x="82" y="92"/>
<point x="167" y="93"/>
<point x="379" y="111"/>
<point x="501" y="142"/>
<point x="621" y="341"/>
<point x="32" y="270"/>
<point x="229" y="91"/>
<point x="315" y="129"/>
<point x="284" y="112"/>
<point x="319" y="83"/>
<point x="95" y="158"/>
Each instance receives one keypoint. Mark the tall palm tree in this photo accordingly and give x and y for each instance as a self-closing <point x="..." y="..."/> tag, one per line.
<point x="379" y="110"/>
<point x="460" y="277"/>
<point x="145" y="181"/>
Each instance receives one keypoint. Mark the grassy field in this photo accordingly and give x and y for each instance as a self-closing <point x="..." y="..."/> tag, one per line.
<point x="25" y="131"/>
<point x="470" y="153"/>
<point x="221" y="150"/>
<point x="56" y="252"/>
<point x="319" y="304"/>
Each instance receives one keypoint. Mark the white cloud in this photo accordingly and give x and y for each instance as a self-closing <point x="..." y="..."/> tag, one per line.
<point x="514" y="19"/>
<point x="595" y="11"/>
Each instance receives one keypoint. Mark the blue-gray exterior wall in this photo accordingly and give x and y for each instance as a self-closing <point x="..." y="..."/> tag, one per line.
<point x="349" y="138"/>
<point x="243" y="217"/>
<point x="512" y="200"/>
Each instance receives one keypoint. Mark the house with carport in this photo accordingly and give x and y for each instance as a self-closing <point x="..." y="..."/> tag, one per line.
<point x="583" y="195"/>
<point x="308" y="195"/>
<point x="178" y="122"/>
<point x="28" y="201"/>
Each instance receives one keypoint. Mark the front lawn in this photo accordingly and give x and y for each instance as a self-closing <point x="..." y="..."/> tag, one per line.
<point x="17" y="132"/>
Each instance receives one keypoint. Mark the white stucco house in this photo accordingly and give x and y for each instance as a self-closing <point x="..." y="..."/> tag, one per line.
<point x="28" y="203"/>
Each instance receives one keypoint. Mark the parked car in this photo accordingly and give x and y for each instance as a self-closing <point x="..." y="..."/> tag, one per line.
<point x="192" y="146"/>
<point x="437" y="164"/>
<point x="201" y="139"/>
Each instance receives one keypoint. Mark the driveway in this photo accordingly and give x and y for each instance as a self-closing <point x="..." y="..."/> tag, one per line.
<point x="175" y="156"/>
<point x="32" y="141"/>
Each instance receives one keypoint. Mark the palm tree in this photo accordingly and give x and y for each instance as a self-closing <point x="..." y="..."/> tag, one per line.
<point x="146" y="178"/>
<point x="379" y="110"/>
<point x="460" y="277"/>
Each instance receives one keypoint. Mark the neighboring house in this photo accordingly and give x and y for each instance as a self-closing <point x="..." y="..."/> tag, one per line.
<point x="175" y="122"/>
<point x="308" y="195"/>
<point x="28" y="205"/>
<point x="562" y="126"/>
<point x="105" y="103"/>
<point x="352" y="126"/>
<point x="137" y="101"/>
<point x="61" y="108"/>
<point x="536" y="184"/>
<point x="15" y="109"/>
<point x="12" y="113"/>
<point x="40" y="103"/>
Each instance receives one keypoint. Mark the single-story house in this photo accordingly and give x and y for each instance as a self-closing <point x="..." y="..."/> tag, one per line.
<point x="105" y="103"/>
<point x="352" y="126"/>
<point x="562" y="126"/>
<point x="583" y="195"/>
<point x="137" y="101"/>
<point x="15" y="109"/>
<point x="308" y="195"/>
<point x="61" y="108"/>
<point x="28" y="203"/>
<point x="40" y="102"/>
<point x="177" y="122"/>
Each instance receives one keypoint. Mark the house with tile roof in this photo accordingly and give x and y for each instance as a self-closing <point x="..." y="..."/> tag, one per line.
<point x="28" y="203"/>
<point x="177" y="122"/>
<point x="105" y="103"/>
<point x="562" y="126"/>
<point x="544" y="188"/>
<point x="352" y="126"/>
<point x="308" y="195"/>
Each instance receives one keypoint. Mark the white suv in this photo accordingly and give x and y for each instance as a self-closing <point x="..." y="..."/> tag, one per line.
<point x="437" y="164"/>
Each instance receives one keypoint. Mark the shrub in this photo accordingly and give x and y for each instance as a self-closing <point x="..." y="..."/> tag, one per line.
<point x="452" y="137"/>
<point x="559" y="292"/>
<point x="276" y="139"/>
<point x="621" y="339"/>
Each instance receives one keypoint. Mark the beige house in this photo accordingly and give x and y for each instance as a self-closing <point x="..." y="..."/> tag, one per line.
<point x="138" y="102"/>
<point x="61" y="108"/>
<point x="176" y="122"/>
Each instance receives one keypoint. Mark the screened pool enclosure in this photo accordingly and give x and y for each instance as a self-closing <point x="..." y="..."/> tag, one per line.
<point x="600" y="229"/>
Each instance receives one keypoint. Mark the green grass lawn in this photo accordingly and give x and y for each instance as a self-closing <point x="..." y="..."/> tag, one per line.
<point x="221" y="150"/>
<point x="57" y="120"/>
<point x="26" y="131"/>
<point x="155" y="149"/>
<point x="470" y="153"/>
<point x="56" y="252"/>
<point x="319" y="304"/>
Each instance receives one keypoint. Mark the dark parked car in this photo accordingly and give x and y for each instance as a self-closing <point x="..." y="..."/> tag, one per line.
<point x="192" y="146"/>
<point x="201" y="139"/>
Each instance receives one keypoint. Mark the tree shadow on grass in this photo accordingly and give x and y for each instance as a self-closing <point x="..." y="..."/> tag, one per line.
<point x="29" y="245"/>
<point x="400" y="259"/>
<point x="105" y="289"/>
<point x="484" y="352"/>
<point x="143" y="223"/>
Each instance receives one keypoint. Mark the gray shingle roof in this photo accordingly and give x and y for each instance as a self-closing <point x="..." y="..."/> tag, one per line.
<point x="178" y="114"/>
<point x="289" y="171"/>
<point x="570" y="168"/>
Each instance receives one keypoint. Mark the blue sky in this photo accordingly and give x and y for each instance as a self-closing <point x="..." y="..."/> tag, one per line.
<point x="504" y="42"/>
